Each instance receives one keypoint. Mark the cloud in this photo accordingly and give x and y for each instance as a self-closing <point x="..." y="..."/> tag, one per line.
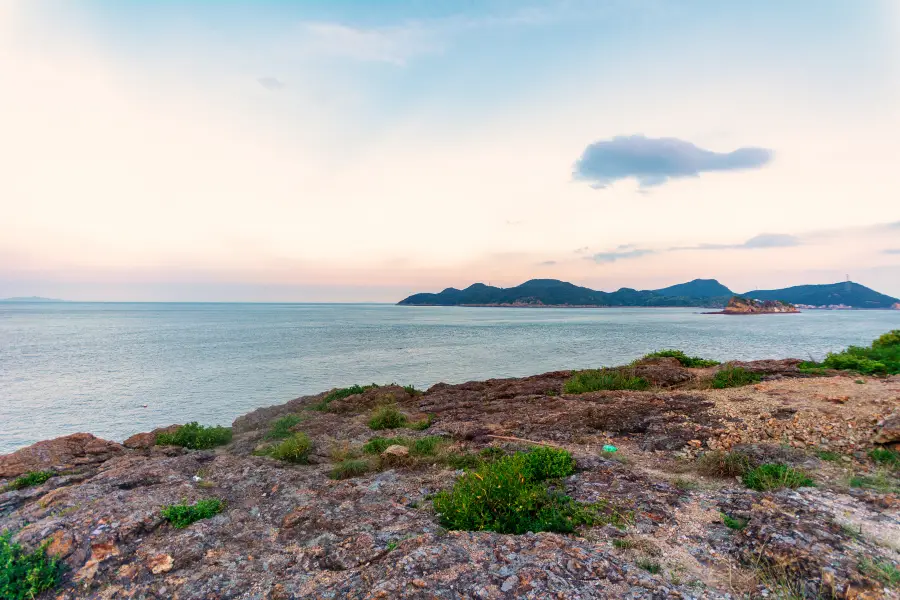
<point x="393" y="45"/>
<point x="892" y="251"/>
<point x="547" y="263"/>
<point x="608" y="257"/>
<point x="771" y="240"/>
<point x="653" y="161"/>
<point x="271" y="83"/>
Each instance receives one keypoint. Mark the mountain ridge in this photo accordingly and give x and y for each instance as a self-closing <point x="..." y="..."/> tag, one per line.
<point x="697" y="292"/>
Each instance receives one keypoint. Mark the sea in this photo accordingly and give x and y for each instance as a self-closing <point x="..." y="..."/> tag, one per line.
<point x="114" y="369"/>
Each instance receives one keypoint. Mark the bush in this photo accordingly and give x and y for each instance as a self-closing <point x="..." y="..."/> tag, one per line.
<point x="25" y="575"/>
<point x="773" y="476"/>
<point x="387" y="417"/>
<point x="730" y="377"/>
<point x="423" y="424"/>
<point x="724" y="464"/>
<point x="349" y="468"/>
<point x="853" y="362"/>
<point x="684" y="359"/>
<point x="29" y="479"/>
<point x="885" y="456"/>
<point x="340" y="394"/>
<point x="195" y="436"/>
<point x="426" y="446"/>
<point x="182" y="515"/>
<point x="592" y="380"/>
<point x="294" y="449"/>
<point x="281" y="428"/>
<point x="510" y="496"/>
<point x="881" y="358"/>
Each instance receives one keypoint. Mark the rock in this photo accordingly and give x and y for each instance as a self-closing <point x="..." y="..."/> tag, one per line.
<point x="59" y="454"/>
<point x="160" y="563"/>
<point x="61" y="544"/>
<point x="148" y="439"/>
<point x="748" y="306"/>
<point x="396" y="450"/>
<point x="888" y="430"/>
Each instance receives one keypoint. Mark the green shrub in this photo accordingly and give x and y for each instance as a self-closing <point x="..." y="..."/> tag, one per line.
<point x="387" y="417"/>
<point x="733" y="523"/>
<point x="340" y="394"/>
<point x="649" y="565"/>
<point x="294" y="449"/>
<point x="724" y="464"/>
<point x="773" y="476"/>
<point x="881" y="358"/>
<point x="730" y="377"/>
<point x="281" y="428"/>
<point x="812" y="368"/>
<point x="182" y="515"/>
<point x="592" y="380"/>
<point x="24" y="575"/>
<point x="377" y="445"/>
<point x="423" y="424"/>
<point x="349" y="468"/>
<point x="29" y="479"/>
<point x="885" y="456"/>
<point x="195" y="436"/>
<point x="845" y="361"/>
<point x="510" y="496"/>
<point x="684" y="359"/>
<point x="426" y="446"/>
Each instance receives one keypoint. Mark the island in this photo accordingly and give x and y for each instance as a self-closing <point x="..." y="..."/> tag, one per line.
<point x="705" y="293"/>
<point x="749" y="306"/>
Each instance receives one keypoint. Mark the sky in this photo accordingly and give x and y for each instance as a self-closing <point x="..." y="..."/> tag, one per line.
<point x="362" y="151"/>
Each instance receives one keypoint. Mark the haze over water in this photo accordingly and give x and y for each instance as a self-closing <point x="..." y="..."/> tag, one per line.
<point x="91" y="366"/>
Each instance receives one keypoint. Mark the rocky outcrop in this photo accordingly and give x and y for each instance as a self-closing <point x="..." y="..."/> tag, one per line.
<point x="148" y="439"/>
<point x="63" y="453"/>
<point x="888" y="430"/>
<point x="747" y="306"/>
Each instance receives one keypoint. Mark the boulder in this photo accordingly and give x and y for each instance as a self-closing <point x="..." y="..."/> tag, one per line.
<point x="58" y="454"/>
<point x="148" y="439"/>
<point x="888" y="430"/>
<point x="396" y="450"/>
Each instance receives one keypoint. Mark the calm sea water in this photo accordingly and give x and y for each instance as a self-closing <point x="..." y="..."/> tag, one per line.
<point x="92" y="366"/>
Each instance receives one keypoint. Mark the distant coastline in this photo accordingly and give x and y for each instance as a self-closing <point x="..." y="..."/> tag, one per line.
<point x="31" y="299"/>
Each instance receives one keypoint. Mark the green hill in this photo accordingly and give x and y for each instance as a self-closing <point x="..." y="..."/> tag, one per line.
<point x="847" y="293"/>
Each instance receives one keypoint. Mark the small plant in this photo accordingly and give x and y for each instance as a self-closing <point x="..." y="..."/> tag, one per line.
<point x="391" y="546"/>
<point x="684" y="359"/>
<point x="426" y="446"/>
<point x="883" y="571"/>
<point x="195" y="436"/>
<point x="350" y="468"/>
<point x="281" y="428"/>
<point x="860" y="382"/>
<point x="730" y="377"/>
<point x="24" y="575"/>
<point x="684" y="484"/>
<point x="412" y="391"/>
<point x="593" y="380"/>
<point x="885" y="456"/>
<point x="294" y="449"/>
<point x="423" y="424"/>
<point x="773" y="476"/>
<point x="880" y="481"/>
<point x="387" y="417"/>
<point x="377" y="445"/>
<point x="649" y="565"/>
<point x="733" y="523"/>
<point x="828" y="455"/>
<point x="340" y="394"/>
<point x="29" y="479"/>
<point x="623" y="543"/>
<point x="183" y="515"/>
<point x="724" y="464"/>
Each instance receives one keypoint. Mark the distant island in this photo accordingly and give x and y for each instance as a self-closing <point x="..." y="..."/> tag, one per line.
<point x="748" y="306"/>
<point x="30" y="299"/>
<point x="707" y="293"/>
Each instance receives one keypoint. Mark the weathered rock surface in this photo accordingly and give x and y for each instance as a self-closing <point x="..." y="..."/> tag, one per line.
<point x="748" y="306"/>
<point x="888" y="430"/>
<point x="289" y="531"/>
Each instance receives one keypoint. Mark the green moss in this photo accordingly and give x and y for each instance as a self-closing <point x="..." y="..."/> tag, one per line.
<point x="350" y="468"/>
<point x="387" y="417"/>
<point x="684" y="359"/>
<point x="24" y="575"/>
<point x="195" y="436"/>
<point x="29" y="479"/>
<point x="510" y="496"/>
<point x="730" y="377"/>
<point x="733" y="523"/>
<point x="593" y="380"/>
<point x="281" y="428"/>
<point x="294" y="449"/>
<point x="773" y="476"/>
<point x="340" y="394"/>
<point x="183" y="515"/>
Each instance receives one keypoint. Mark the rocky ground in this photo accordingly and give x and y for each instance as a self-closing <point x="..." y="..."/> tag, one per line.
<point x="290" y="531"/>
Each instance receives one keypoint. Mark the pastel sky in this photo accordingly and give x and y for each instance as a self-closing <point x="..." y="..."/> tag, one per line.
<point x="334" y="150"/>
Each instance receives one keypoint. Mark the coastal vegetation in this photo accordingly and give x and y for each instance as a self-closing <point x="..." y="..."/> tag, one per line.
<point x="730" y="377"/>
<point x="691" y="362"/>
<point x="773" y="476"/>
<point x="29" y="479"/>
<point x="881" y="357"/>
<point x="24" y="575"/>
<point x="282" y="427"/>
<point x="387" y="417"/>
<point x="719" y="463"/>
<point x="593" y="380"/>
<point x="195" y="436"/>
<point x="340" y="394"/>
<point x="183" y="515"/>
<point x="294" y="449"/>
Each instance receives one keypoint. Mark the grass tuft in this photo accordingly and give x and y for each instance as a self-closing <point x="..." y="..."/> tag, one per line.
<point x="294" y="449"/>
<point x="593" y="380"/>
<point x="29" y="479"/>
<point x="340" y="394"/>
<point x="649" y="565"/>
<point x="730" y="377"/>
<point x="880" y="481"/>
<point x="684" y="359"/>
<point x="195" y="436"/>
<point x="423" y="424"/>
<point x="883" y="571"/>
<point x="885" y="456"/>
<point x="387" y="417"/>
<point x="724" y="464"/>
<point x="281" y="428"/>
<point x="183" y="515"/>
<point x="773" y="476"/>
<point x="828" y="455"/>
<point x="733" y="523"/>
<point x="350" y="468"/>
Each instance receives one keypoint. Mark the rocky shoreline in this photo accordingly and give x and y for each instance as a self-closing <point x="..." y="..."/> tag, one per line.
<point x="319" y="529"/>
